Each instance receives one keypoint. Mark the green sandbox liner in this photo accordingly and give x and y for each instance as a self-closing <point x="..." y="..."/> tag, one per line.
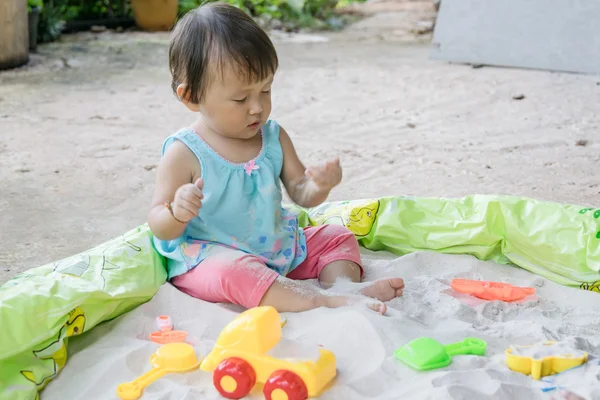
<point x="41" y="308"/>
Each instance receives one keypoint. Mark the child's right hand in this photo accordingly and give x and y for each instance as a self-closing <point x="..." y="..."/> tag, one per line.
<point x="188" y="201"/>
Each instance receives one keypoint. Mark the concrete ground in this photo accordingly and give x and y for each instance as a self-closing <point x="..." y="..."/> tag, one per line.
<point x="81" y="128"/>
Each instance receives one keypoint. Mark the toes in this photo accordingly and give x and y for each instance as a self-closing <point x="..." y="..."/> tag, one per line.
<point x="396" y="283"/>
<point x="384" y="289"/>
<point x="379" y="308"/>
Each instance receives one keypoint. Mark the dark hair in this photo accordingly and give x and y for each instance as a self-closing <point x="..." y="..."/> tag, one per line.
<point x="210" y="36"/>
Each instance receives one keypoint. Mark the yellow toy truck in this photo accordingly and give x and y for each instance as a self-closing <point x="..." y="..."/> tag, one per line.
<point x="240" y="359"/>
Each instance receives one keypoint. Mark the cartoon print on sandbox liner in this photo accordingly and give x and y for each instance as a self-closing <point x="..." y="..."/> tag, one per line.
<point x="358" y="217"/>
<point x="54" y="354"/>
<point x="591" y="286"/>
<point x="79" y="265"/>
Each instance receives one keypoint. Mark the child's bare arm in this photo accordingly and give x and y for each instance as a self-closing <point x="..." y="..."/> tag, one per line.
<point x="177" y="182"/>
<point x="306" y="187"/>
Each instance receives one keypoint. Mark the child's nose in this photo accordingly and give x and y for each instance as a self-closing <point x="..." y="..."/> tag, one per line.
<point x="256" y="108"/>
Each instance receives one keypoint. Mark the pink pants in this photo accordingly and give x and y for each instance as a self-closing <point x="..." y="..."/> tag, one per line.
<point x="243" y="279"/>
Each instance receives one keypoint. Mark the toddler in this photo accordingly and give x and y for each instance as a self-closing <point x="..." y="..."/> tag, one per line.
<point x="216" y="213"/>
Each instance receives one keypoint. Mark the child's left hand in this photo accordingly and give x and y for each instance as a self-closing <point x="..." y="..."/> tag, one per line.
<point x="326" y="177"/>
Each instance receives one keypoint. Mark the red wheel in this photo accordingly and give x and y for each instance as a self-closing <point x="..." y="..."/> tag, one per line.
<point x="234" y="378"/>
<point x="285" y="385"/>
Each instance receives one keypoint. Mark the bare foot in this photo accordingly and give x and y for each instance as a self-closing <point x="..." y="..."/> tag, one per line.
<point x="343" y="301"/>
<point x="384" y="289"/>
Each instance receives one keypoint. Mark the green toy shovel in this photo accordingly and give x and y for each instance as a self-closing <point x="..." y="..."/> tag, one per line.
<point x="425" y="354"/>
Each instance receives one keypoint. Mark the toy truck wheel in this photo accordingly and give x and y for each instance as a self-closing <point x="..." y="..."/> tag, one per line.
<point x="285" y="385"/>
<point x="234" y="378"/>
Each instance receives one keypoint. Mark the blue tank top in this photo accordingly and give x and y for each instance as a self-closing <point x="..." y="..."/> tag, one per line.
<point x="241" y="209"/>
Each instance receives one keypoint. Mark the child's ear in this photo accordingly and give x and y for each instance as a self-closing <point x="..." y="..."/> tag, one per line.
<point x="185" y="98"/>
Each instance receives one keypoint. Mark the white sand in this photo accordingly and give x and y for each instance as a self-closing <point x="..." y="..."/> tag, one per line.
<point x="362" y="341"/>
<point x="542" y="350"/>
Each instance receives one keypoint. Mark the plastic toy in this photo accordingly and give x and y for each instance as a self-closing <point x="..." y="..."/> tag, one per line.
<point x="543" y="365"/>
<point x="491" y="290"/>
<point x="240" y="359"/>
<point x="166" y="334"/>
<point x="168" y="337"/>
<point x="172" y="357"/>
<point x="164" y="323"/>
<point x="425" y="353"/>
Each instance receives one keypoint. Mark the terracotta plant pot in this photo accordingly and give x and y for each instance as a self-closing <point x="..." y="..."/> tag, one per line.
<point x="154" y="15"/>
<point x="14" y="34"/>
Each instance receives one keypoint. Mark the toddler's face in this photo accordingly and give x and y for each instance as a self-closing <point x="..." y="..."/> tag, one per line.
<point x="234" y="107"/>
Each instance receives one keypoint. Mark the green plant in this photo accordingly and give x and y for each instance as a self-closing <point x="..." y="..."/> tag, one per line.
<point x="97" y="9"/>
<point x="291" y="13"/>
<point x="186" y="6"/>
<point x="31" y="4"/>
<point x="52" y="20"/>
<point x="56" y="13"/>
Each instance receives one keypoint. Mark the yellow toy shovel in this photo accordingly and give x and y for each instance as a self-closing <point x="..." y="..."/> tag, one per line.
<point x="172" y="357"/>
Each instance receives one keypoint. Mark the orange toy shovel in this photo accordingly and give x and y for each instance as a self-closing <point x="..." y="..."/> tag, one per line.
<point x="491" y="290"/>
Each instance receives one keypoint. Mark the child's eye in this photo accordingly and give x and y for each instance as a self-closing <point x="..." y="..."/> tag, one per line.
<point x="241" y="100"/>
<point x="266" y="91"/>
